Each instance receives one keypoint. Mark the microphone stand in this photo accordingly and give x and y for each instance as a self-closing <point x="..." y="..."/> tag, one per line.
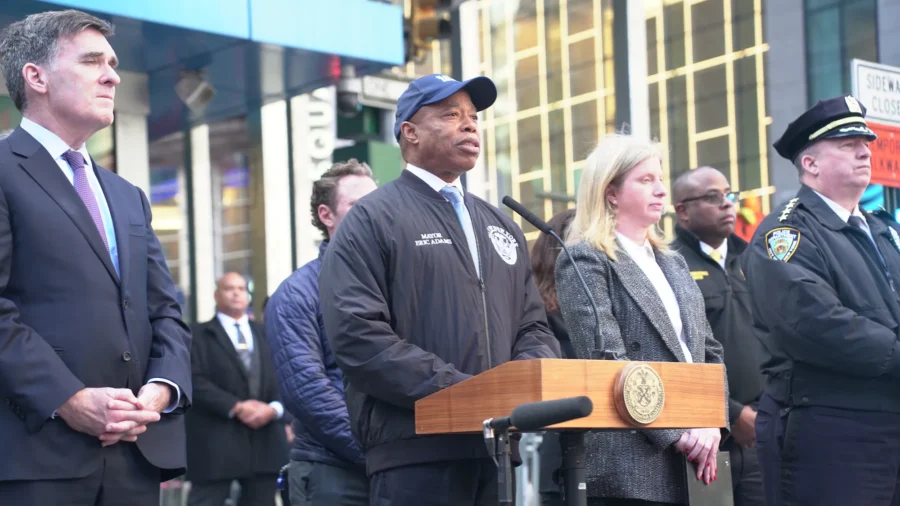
<point x="573" y="482"/>
<point x="497" y="441"/>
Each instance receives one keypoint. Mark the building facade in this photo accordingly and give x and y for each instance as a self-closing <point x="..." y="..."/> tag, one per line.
<point x="691" y="74"/>
<point x="715" y="81"/>
<point x="224" y="121"/>
<point x="812" y="45"/>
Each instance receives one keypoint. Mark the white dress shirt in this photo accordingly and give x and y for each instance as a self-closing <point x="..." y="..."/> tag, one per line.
<point x="844" y="214"/>
<point x="436" y="183"/>
<point x="723" y="251"/>
<point x="231" y="325"/>
<point x="56" y="147"/>
<point x="644" y="257"/>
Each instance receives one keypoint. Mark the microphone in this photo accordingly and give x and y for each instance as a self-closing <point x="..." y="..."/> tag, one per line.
<point x="598" y="353"/>
<point x="537" y="415"/>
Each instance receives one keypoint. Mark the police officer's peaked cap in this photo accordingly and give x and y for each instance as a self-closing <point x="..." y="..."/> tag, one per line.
<point x="828" y="119"/>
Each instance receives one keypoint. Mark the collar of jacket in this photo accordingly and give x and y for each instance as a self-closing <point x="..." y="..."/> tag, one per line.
<point x="413" y="182"/>
<point x="807" y="198"/>
<point x="736" y="245"/>
<point x="322" y="248"/>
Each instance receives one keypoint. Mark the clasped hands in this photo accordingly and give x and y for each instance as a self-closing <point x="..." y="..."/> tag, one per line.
<point x="253" y="413"/>
<point x="701" y="447"/>
<point x="115" y="414"/>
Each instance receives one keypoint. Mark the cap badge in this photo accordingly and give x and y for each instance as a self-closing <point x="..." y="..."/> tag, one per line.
<point x="444" y="78"/>
<point x="852" y="105"/>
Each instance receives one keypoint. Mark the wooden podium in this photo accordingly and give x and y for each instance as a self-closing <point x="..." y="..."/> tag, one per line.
<point x="694" y="395"/>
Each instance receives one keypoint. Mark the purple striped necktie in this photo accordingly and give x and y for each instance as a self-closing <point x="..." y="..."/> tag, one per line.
<point x="83" y="187"/>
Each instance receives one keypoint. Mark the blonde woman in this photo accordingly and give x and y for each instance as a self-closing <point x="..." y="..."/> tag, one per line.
<point x="650" y="308"/>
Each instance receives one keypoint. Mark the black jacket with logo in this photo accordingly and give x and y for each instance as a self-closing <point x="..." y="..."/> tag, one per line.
<point x="825" y="307"/>
<point x="728" y="311"/>
<point x="407" y="315"/>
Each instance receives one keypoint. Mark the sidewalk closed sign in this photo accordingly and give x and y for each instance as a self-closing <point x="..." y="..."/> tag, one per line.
<point x="886" y="155"/>
<point x="878" y="88"/>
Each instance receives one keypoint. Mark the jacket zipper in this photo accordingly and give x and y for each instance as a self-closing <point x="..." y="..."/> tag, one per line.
<point x="480" y="274"/>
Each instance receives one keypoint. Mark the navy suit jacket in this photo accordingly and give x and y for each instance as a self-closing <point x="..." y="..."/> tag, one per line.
<point x="67" y="321"/>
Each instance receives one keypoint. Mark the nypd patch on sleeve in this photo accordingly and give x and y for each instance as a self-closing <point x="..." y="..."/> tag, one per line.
<point x="782" y="242"/>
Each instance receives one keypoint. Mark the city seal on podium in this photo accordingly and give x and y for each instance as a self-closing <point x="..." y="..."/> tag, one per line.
<point x="640" y="394"/>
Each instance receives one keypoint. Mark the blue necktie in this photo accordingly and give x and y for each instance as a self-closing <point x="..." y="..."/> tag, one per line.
<point x="452" y="194"/>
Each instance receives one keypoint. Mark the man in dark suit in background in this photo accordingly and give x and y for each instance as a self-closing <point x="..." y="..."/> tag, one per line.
<point x="94" y="355"/>
<point x="705" y="238"/>
<point x="234" y="432"/>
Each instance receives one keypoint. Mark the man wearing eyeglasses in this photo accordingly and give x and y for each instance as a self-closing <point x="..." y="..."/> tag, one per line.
<point x="705" y="236"/>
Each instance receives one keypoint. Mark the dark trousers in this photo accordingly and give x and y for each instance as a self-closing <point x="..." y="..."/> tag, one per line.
<point x="256" y="491"/>
<point x="746" y="477"/>
<point x="821" y="456"/>
<point x="124" y="477"/>
<point x="318" y="484"/>
<point x="454" y="483"/>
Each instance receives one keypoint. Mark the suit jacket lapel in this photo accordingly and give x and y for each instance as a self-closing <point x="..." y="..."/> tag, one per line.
<point x="644" y="294"/>
<point x="117" y="209"/>
<point x="45" y="171"/>
<point x="222" y="339"/>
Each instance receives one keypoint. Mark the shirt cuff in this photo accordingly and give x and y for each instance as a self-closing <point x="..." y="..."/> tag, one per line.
<point x="173" y="404"/>
<point x="279" y="409"/>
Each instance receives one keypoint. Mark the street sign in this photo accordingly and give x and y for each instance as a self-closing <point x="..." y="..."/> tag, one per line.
<point x="877" y="86"/>
<point x="886" y="155"/>
<point x="382" y="91"/>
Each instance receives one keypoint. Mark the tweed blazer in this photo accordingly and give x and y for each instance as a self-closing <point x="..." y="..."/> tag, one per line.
<point x="637" y="464"/>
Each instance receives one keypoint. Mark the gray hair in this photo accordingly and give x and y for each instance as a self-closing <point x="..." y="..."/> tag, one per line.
<point x="35" y="39"/>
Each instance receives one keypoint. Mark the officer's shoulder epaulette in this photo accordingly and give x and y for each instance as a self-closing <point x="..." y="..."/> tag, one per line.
<point x="884" y="215"/>
<point x="788" y="208"/>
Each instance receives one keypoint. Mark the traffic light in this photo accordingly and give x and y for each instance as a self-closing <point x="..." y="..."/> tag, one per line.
<point x="427" y="21"/>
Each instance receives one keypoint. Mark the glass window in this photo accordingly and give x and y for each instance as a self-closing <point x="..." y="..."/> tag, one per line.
<point x="553" y="55"/>
<point x="652" y="54"/>
<point x="711" y="98"/>
<point x="229" y="158"/>
<point x="581" y="15"/>
<point x="530" y="142"/>
<point x="707" y="23"/>
<point x="578" y="78"/>
<point x="836" y="33"/>
<point x="674" y="35"/>
<point x="526" y="32"/>
<point x="710" y="140"/>
<point x="168" y="202"/>
<point x="527" y="83"/>
<point x="583" y="67"/>
<point x="584" y="129"/>
<point x="679" y="156"/>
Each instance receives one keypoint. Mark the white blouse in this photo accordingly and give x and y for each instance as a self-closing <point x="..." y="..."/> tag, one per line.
<point x="644" y="257"/>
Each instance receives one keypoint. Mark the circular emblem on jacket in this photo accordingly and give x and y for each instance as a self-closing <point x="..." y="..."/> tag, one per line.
<point x="640" y="395"/>
<point x="504" y="243"/>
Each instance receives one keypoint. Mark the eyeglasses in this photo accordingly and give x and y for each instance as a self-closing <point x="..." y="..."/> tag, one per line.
<point x="715" y="198"/>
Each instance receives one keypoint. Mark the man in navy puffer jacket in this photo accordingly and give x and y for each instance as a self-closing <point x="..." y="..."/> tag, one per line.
<point x="327" y="465"/>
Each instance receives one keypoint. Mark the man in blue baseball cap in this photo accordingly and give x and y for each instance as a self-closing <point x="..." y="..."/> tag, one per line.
<point x="422" y="286"/>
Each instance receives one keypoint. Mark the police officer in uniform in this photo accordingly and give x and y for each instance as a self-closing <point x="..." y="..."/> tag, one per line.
<point x="823" y="279"/>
